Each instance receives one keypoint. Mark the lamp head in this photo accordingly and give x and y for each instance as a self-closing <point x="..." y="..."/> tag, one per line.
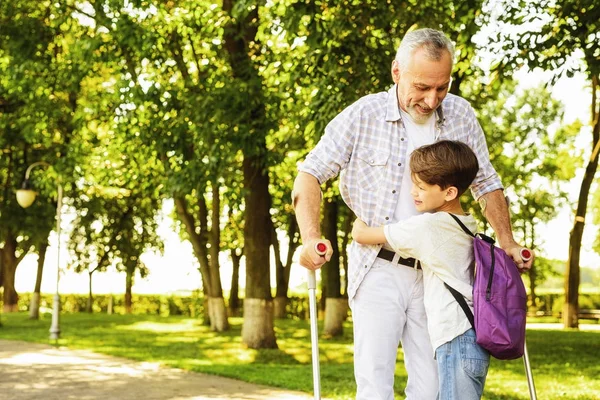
<point x="26" y="195"/>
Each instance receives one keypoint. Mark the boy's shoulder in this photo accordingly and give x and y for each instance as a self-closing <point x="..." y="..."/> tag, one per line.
<point x="442" y="218"/>
<point x="439" y="219"/>
<point x="425" y="220"/>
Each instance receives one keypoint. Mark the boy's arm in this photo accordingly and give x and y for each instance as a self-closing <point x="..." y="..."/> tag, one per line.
<point x="364" y="234"/>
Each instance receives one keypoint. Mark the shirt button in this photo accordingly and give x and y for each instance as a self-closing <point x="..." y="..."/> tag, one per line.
<point x="393" y="191"/>
<point x="386" y="218"/>
<point x="402" y="139"/>
<point x="399" y="164"/>
<point x="365" y="266"/>
<point x="371" y="162"/>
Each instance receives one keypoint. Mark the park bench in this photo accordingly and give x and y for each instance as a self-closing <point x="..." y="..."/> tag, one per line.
<point x="584" y="313"/>
<point x="588" y="313"/>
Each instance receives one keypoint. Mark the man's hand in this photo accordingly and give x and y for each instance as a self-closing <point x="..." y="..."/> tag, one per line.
<point x="310" y="259"/>
<point x="514" y="251"/>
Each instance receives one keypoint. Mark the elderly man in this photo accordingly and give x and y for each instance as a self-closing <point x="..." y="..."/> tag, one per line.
<point x="369" y="143"/>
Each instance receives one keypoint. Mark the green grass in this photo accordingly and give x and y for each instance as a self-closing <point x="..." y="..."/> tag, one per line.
<point x="566" y="364"/>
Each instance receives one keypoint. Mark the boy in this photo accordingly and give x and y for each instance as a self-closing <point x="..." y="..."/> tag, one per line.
<point x="441" y="172"/>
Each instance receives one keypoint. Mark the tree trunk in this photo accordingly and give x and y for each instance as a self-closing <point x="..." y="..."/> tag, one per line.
<point x="217" y="314"/>
<point x="34" y="305"/>
<point x="532" y="288"/>
<point x="234" y="295"/>
<point x="280" y="306"/>
<point x="198" y="241"/>
<point x="258" y="319"/>
<point x="572" y="276"/>
<point x="216" y="302"/>
<point x="256" y="246"/>
<point x="206" y="314"/>
<point x="128" y="290"/>
<point x="330" y="278"/>
<point x="240" y="40"/>
<point x="282" y="273"/>
<point x="109" y="306"/>
<point x="90" y="300"/>
<point x="281" y="288"/>
<point x="10" y="263"/>
<point x="336" y="312"/>
<point x="533" y="271"/>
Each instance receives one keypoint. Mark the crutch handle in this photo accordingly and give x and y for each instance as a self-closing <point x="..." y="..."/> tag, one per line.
<point x="320" y="248"/>
<point x="525" y="254"/>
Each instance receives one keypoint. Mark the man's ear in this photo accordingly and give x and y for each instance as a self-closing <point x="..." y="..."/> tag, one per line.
<point x="395" y="71"/>
<point x="451" y="193"/>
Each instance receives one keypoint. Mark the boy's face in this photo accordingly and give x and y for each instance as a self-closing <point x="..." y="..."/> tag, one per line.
<point x="428" y="198"/>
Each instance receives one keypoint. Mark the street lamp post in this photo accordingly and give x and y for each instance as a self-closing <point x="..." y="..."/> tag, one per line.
<point x="26" y="197"/>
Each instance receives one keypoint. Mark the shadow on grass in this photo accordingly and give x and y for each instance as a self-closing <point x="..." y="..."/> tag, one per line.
<point x="564" y="362"/>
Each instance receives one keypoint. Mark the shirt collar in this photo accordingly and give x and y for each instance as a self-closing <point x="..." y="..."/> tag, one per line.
<point x="393" y="113"/>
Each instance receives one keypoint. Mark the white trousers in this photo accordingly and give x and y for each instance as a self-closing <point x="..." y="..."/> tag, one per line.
<point x="388" y="310"/>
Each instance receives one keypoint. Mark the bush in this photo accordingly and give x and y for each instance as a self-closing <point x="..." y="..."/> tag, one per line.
<point x="192" y="304"/>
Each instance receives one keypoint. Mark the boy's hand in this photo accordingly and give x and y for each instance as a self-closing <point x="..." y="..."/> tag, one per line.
<point x="358" y="229"/>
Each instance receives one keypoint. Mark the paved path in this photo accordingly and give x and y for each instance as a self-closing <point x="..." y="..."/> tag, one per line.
<point x="31" y="371"/>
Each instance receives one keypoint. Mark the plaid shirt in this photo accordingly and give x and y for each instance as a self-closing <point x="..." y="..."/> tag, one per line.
<point x="367" y="144"/>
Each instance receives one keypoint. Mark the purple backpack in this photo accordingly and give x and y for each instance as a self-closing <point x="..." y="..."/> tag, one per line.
<point x="499" y="299"/>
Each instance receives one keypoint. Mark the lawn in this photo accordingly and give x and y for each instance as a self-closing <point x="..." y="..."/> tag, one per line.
<point x="566" y="364"/>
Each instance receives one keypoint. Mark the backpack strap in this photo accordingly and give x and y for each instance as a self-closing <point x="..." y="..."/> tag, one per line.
<point x="462" y="302"/>
<point x="459" y="297"/>
<point x="464" y="228"/>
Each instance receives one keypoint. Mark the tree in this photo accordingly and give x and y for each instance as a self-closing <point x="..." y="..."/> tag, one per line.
<point x="165" y="73"/>
<point x="42" y="70"/>
<point x="533" y="159"/>
<point x="561" y="37"/>
<point x="243" y="46"/>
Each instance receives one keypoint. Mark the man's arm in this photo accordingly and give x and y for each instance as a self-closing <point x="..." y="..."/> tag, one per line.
<point x="306" y="198"/>
<point x="495" y="210"/>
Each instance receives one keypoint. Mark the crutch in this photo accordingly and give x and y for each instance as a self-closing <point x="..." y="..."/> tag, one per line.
<point x="320" y="249"/>
<point x="530" y="383"/>
<point x="526" y="256"/>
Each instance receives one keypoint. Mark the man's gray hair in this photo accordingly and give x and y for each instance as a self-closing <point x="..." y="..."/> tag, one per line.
<point x="432" y="41"/>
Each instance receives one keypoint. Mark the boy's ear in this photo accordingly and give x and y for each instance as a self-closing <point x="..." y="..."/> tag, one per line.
<point x="451" y="193"/>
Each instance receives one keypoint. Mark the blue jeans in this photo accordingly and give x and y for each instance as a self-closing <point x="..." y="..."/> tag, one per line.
<point x="462" y="368"/>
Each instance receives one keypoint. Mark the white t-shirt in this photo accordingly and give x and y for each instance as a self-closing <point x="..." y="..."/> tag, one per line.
<point x="446" y="255"/>
<point x="418" y="135"/>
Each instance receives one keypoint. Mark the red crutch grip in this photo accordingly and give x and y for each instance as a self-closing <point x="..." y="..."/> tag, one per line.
<point x="321" y="248"/>
<point x="526" y="254"/>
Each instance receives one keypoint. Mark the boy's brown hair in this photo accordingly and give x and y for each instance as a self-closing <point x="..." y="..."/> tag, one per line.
<point x="445" y="163"/>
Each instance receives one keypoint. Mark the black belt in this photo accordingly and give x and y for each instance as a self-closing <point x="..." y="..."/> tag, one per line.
<point x="389" y="256"/>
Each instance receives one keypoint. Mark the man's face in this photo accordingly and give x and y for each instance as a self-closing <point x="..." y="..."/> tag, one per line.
<point x="423" y="84"/>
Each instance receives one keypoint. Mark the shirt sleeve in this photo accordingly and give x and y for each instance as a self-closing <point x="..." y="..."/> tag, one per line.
<point x="409" y="237"/>
<point x="333" y="151"/>
<point x="487" y="179"/>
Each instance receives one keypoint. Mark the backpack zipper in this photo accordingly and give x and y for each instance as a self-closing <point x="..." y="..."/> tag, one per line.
<point x="488" y="291"/>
